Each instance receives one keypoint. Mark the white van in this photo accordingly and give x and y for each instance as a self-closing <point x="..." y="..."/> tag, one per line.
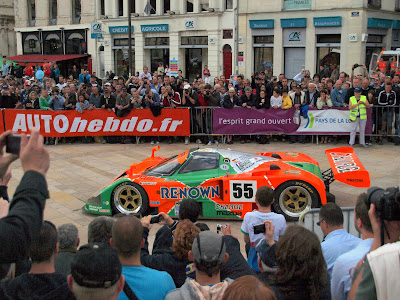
<point x="388" y="57"/>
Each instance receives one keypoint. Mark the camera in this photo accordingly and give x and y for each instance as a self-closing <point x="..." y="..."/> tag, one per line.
<point x="13" y="143"/>
<point x="149" y="97"/>
<point x="144" y="82"/>
<point x="208" y="93"/>
<point x="156" y="219"/>
<point x="259" y="228"/>
<point x="356" y="66"/>
<point x="170" y="94"/>
<point x="186" y="91"/>
<point x="219" y="227"/>
<point x="387" y="202"/>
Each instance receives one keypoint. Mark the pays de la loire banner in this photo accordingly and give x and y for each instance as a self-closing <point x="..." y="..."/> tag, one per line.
<point x="99" y="122"/>
<point x="240" y="120"/>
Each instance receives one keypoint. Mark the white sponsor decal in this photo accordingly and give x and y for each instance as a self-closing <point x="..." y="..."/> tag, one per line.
<point x="243" y="190"/>
<point x="148" y="183"/>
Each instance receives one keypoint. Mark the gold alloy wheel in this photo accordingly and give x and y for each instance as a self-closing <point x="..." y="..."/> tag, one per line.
<point x="294" y="200"/>
<point x="127" y="199"/>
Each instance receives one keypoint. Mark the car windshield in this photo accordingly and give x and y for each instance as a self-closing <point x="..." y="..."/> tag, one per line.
<point x="165" y="168"/>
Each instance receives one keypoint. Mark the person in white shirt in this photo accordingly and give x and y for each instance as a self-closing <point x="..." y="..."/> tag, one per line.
<point x="276" y="99"/>
<point x="264" y="199"/>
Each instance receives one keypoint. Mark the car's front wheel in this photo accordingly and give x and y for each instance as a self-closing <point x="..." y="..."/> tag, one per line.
<point x="292" y="198"/>
<point x="129" y="198"/>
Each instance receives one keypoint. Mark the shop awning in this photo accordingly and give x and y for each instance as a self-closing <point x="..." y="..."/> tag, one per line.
<point x="38" y="58"/>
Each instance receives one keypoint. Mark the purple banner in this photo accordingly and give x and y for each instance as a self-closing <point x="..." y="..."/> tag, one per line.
<point x="240" y="120"/>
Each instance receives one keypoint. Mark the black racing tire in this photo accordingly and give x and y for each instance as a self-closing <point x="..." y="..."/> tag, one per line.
<point x="128" y="198"/>
<point x="293" y="197"/>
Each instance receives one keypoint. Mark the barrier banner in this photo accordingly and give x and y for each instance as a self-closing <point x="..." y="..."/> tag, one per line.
<point x="240" y="120"/>
<point x="99" y="122"/>
<point x="330" y="121"/>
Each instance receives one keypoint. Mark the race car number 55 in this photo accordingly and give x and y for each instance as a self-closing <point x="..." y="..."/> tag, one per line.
<point x="242" y="190"/>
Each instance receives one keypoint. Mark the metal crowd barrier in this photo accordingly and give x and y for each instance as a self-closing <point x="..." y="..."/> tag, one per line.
<point x="310" y="218"/>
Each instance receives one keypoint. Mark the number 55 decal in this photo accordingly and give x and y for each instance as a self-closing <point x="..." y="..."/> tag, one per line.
<point x="242" y="190"/>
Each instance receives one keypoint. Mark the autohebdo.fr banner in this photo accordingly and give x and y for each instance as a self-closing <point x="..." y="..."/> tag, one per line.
<point x="240" y="120"/>
<point x="99" y="122"/>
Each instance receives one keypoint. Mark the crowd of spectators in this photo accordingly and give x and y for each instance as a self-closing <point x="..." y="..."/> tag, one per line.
<point x="188" y="260"/>
<point x="83" y="91"/>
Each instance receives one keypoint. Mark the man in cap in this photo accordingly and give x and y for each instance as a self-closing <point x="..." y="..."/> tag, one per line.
<point x="96" y="273"/>
<point x="7" y="99"/>
<point x="208" y="253"/>
<point x="123" y="103"/>
<point x="358" y="105"/>
<point x="299" y="99"/>
<point x="107" y="100"/>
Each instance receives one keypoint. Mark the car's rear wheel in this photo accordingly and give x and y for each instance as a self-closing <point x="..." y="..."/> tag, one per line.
<point x="129" y="198"/>
<point x="292" y="198"/>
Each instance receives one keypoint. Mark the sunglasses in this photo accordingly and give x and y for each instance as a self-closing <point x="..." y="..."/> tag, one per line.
<point x="319" y="223"/>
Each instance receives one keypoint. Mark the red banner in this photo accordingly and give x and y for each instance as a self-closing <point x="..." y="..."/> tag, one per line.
<point x="99" y="122"/>
<point x="1" y="123"/>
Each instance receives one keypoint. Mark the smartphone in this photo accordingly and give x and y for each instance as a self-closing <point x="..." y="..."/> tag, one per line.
<point x="219" y="227"/>
<point x="13" y="143"/>
<point x="259" y="228"/>
<point x="156" y="219"/>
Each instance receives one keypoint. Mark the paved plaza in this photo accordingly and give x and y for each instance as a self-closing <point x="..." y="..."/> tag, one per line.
<point x="79" y="170"/>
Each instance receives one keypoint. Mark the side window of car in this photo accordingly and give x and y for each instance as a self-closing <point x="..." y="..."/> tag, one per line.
<point x="200" y="162"/>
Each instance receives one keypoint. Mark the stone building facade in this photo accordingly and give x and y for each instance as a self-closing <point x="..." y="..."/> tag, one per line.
<point x="7" y="35"/>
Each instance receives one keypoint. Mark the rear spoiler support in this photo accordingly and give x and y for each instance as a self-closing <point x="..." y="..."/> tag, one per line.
<point x="328" y="178"/>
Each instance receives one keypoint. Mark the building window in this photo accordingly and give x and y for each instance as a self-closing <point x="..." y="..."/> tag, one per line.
<point x="153" y="4"/>
<point x="161" y="41"/>
<point x="375" y="38"/>
<point x="123" y="42"/>
<point x="397" y="5"/>
<point x="133" y="5"/>
<point x="328" y="38"/>
<point x="265" y="39"/>
<point x="204" y="5"/>
<point x="76" y="11"/>
<point x="189" y="6"/>
<point x="75" y="42"/>
<point x="263" y="53"/>
<point x="194" y="40"/>
<point x="229" y="4"/>
<point x="167" y="6"/>
<point x="53" y="12"/>
<point x="120" y="8"/>
<point x="374" y="3"/>
<point x="52" y="43"/>
<point x="31" y="44"/>
<point x="32" y="12"/>
<point x="227" y="34"/>
<point x="102" y="7"/>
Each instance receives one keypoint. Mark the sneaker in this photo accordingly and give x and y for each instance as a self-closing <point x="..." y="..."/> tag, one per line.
<point x="209" y="143"/>
<point x="186" y="140"/>
<point x="198" y="141"/>
<point x="242" y="141"/>
<point x="365" y="145"/>
<point x="216" y="143"/>
<point x="351" y="145"/>
<point x="152" y="143"/>
<point x="157" y="142"/>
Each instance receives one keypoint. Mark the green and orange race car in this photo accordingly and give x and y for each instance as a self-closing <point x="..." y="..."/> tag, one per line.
<point x="225" y="182"/>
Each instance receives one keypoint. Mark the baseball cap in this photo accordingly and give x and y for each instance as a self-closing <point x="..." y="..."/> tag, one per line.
<point x="5" y="86"/>
<point x="96" y="265"/>
<point x="209" y="247"/>
<point x="123" y="89"/>
<point x="115" y="78"/>
<point x="107" y="83"/>
<point x="262" y="249"/>
<point x="186" y="87"/>
<point x="27" y="82"/>
<point x="358" y="90"/>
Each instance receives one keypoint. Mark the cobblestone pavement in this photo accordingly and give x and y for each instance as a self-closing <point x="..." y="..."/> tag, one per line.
<point x="79" y="170"/>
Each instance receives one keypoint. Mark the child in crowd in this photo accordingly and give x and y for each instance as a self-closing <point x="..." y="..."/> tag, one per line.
<point x="32" y="102"/>
<point x="264" y="200"/>
<point x="286" y="101"/>
<point x="276" y="99"/>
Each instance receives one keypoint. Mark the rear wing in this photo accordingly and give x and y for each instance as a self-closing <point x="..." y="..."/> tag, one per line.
<point x="347" y="168"/>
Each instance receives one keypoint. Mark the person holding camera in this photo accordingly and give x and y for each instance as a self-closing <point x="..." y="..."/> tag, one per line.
<point x="377" y="275"/>
<point x="264" y="200"/>
<point x="173" y="99"/>
<point x="56" y="100"/>
<point x="190" y="98"/>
